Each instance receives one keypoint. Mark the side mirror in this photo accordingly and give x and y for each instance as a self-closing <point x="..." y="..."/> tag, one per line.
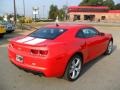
<point x="101" y="34"/>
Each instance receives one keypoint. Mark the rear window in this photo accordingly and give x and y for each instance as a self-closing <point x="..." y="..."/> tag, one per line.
<point x="47" y="33"/>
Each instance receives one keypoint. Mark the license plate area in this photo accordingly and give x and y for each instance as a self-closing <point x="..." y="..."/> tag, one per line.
<point x="19" y="58"/>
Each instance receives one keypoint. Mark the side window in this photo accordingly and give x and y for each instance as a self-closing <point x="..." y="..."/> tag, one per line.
<point x="80" y="34"/>
<point x="90" y="32"/>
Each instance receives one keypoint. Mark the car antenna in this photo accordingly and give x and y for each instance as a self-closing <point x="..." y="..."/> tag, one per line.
<point x="57" y="21"/>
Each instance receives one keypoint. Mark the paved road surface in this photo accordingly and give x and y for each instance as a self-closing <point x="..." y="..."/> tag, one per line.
<point x="101" y="74"/>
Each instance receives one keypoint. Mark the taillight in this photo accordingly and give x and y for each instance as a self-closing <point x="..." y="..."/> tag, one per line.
<point x="39" y="52"/>
<point x="34" y="51"/>
<point x="43" y="52"/>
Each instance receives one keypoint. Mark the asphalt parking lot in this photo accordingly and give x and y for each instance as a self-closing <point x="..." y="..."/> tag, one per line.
<point x="101" y="74"/>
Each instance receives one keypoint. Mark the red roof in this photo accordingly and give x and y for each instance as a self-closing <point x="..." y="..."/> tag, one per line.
<point x="96" y="7"/>
<point x="99" y="9"/>
<point x="114" y="11"/>
<point x="88" y="9"/>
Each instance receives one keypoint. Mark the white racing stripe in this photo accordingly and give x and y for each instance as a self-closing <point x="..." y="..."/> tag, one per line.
<point x="25" y="39"/>
<point x="35" y="41"/>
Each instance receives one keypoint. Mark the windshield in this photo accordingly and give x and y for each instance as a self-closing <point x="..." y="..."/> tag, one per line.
<point x="47" y="33"/>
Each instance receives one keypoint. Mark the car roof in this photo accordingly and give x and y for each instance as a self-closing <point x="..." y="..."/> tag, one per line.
<point x="70" y="26"/>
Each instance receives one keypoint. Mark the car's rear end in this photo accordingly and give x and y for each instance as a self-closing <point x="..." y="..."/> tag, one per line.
<point x="38" y="54"/>
<point x="27" y="57"/>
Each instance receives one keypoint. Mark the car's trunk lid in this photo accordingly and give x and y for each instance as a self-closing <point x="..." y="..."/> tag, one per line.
<point x="26" y="44"/>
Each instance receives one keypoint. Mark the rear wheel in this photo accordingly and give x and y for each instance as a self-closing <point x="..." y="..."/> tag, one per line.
<point x="73" y="69"/>
<point x="109" y="48"/>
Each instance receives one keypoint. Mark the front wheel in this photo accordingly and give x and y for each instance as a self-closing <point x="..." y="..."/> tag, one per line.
<point x="73" y="69"/>
<point x="10" y="31"/>
<point x="109" y="48"/>
<point x="1" y="36"/>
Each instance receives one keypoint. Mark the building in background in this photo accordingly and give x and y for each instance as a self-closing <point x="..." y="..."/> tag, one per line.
<point x="93" y="13"/>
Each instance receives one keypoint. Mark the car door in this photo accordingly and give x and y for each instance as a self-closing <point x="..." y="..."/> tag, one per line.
<point x="94" y="42"/>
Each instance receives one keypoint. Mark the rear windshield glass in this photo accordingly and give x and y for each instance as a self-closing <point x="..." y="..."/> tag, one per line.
<point x="47" y="33"/>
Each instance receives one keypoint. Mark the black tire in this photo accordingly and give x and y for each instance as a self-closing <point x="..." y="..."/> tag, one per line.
<point x="1" y="36"/>
<point x="71" y="69"/>
<point x="10" y="31"/>
<point x="109" y="48"/>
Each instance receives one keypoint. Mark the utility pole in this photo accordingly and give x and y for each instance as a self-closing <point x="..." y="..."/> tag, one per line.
<point x="14" y="12"/>
<point x="24" y="7"/>
<point x="43" y="10"/>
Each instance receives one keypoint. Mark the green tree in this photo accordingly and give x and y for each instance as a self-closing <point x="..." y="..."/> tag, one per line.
<point x="91" y="2"/>
<point x="61" y="14"/>
<point x="11" y="15"/>
<point x="53" y="13"/>
<point x="109" y="3"/>
<point x="117" y="6"/>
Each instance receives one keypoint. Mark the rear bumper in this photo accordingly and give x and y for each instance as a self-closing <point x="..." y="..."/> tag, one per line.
<point x="48" y="67"/>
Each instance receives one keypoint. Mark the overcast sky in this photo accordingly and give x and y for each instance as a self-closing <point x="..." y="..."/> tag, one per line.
<point x="6" y="6"/>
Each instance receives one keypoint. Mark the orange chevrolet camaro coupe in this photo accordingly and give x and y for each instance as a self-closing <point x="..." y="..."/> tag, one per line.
<point x="59" y="50"/>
